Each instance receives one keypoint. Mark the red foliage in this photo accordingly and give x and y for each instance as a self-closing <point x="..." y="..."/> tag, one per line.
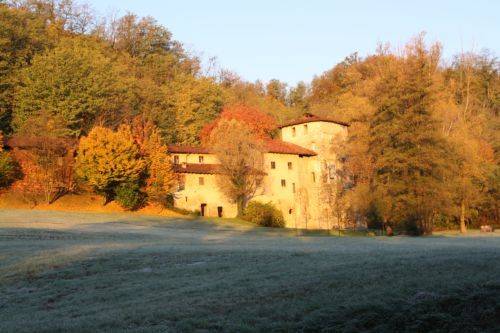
<point x="261" y="124"/>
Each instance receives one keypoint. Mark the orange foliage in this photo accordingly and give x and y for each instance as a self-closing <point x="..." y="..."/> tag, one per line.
<point x="261" y="125"/>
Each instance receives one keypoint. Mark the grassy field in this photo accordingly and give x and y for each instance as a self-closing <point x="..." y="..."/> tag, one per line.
<point x="86" y="272"/>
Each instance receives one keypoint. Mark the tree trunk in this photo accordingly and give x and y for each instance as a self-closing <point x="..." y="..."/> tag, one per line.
<point x="463" y="227"/>
<point x="240" y="204"/>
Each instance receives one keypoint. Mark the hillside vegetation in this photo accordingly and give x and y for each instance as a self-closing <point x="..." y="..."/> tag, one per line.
<point x="89" y="104"/>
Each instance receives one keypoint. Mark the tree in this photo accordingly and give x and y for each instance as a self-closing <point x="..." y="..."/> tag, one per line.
<point x="160" y="180"/>
<point x="408" y="149"/>
<point x="47" y="163"/>
<point x="108" y="158"/>
<point x="141" y="37"/>
<point x="276" y="89"/>
<point x="22" y="36"/>
<point x="297" y="98"/>
<point x="9" y="168"/>
<point x="75" y="83"/>
<point x="260" y="124"/>
<point x="196" y="102"/>
<point x="240" y="156"/>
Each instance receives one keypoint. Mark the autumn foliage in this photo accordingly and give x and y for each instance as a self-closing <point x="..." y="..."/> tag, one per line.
<point x="107" y="159"/>
<point x="260" y="124"/>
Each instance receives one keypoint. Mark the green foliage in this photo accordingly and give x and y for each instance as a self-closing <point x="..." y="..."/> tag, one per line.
<point x="264" y="214"/>
<point x="108" y="158"/>
<point x="408" y="149"/>
<point x="22" y="35"/>
<point x="196" y="102"/>
<point x="129" y="196"/>
<point x="9" y="169"/>
<point x="74" y="83"/>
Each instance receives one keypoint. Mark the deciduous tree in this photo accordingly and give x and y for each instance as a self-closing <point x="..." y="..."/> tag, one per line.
<point x="108" y="158"/>
<point x="260" y="124"/>
<point x="240" y="156"/>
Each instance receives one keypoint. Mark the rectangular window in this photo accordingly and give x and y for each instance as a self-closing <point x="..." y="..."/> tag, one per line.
<point x="305" y="129"/>
<point x="283" y="183"/>
<point x="273" y="165"/>
<point x="293" y="187"/>
<point x="200" y="159"/>
<point x="293" y="131"/>
<point x="290" y="166"/>
<point x="201" y="181"/>
<point x="181" y="183"/>
<point x="176" y="159"/>
<point x="314" y="177"/>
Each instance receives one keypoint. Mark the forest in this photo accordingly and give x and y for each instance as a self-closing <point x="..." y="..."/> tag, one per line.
<point x="90" y="103"/>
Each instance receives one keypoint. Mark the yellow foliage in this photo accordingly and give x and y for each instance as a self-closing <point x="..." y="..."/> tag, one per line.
<point x="107" y="158"/>
<point x="161" y="178"/>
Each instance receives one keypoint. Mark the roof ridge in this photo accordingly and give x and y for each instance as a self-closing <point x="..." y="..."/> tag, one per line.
<point x="310" y="117"/>
<point x="275" y="146"/>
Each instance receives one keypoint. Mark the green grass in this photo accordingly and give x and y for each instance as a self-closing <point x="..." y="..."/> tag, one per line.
<point x="87" y="272"/>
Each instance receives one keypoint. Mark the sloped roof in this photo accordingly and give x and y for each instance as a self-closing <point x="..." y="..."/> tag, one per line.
<point x="282" y="147"/>
<point x="271" y="145"/>
<point x="309" y="118"/>
<point x="203" y="169"/>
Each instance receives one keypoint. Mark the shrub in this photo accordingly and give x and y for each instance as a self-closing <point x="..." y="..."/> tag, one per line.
<point x="264" y="214"/>
<point x="107" y="158"/>
<point x="9" y="169"/>
<point x="129" y="196"/>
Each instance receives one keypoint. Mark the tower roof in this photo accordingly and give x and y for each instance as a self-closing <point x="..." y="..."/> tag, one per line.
<point x="309" y="118"/>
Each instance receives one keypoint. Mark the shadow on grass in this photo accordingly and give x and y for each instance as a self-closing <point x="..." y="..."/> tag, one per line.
<point x="163" y="288"/>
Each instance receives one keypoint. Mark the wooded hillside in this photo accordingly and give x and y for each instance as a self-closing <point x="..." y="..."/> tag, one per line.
<point x="423" y="147"/>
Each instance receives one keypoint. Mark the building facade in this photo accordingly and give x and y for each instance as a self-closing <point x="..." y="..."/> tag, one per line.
<point x="300" y="170"/>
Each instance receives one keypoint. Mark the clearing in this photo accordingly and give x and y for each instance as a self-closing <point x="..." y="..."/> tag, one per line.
<point x="86" y="272"/>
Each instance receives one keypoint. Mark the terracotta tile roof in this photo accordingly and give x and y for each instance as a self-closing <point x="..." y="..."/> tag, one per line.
<point x="309" y="117"/>
<point x="272" y="146"/>
<point x="187" y="149"/>
<point x="282" y="147"/>
<point x="197" y="168"/>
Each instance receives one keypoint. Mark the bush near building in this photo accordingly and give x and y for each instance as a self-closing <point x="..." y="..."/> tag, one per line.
<point x="264" y="214"/>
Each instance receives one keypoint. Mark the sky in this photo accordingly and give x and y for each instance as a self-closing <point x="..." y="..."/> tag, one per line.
<point x="294" y="40"/>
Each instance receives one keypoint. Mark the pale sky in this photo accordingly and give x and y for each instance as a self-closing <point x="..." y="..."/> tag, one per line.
<point x="295" y="40"/>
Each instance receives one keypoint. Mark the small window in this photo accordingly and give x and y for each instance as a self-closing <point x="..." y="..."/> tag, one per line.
<point x="290" y="166"/>
<point x="290" y="211"/>
<point x="186" y="199"/>
<point x="293" y="131"/>
<point x="283" y="183"/>
<point x="293" y="187"/>
<point x="200" y="159"/>
<point x="305" y="129"/>
<point x="176" y="159"/>
<point x="201" y="181"/>
<point x="273" y="165"/>
<point x="314" y="177"/>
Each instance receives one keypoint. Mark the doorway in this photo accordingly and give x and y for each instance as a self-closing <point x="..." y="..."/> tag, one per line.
<point x="202" y="209"/>
<point x="219" y="211"/>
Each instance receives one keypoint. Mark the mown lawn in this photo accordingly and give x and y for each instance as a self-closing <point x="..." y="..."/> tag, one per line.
<point x="90" y="272"/>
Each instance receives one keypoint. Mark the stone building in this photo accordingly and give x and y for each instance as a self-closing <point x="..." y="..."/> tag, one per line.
<point x="299" y="171"/>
